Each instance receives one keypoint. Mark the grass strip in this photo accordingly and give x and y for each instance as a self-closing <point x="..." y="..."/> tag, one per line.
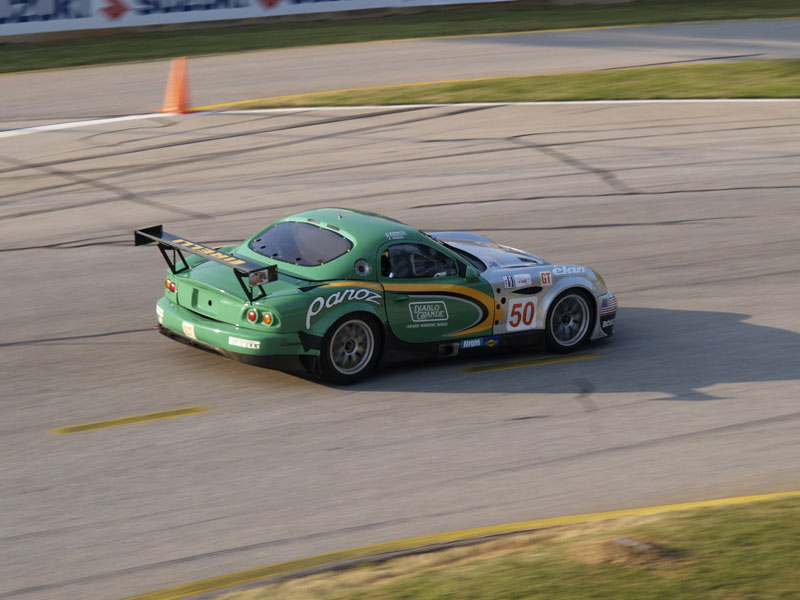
<point x="748" y="551"/>
<point x="525" y="15"/>
<point x="752" y="79"/>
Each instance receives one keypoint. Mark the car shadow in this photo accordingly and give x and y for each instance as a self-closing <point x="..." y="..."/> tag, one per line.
<point x="674" y="353"/>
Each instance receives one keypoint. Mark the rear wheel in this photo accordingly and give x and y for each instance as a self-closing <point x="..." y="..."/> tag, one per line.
<point x="569" y="321"/>
<point x="350" y="349"/>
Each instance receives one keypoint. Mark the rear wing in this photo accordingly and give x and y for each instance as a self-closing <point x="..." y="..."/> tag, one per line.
<point x="254" y="274"/>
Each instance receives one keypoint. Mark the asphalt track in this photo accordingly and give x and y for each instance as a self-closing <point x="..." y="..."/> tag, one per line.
<point x="34" y="98"/>
<point x="689" y="210"/>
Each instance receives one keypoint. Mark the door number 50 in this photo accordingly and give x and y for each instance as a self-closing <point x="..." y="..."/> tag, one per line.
<point x="521" y="314"/>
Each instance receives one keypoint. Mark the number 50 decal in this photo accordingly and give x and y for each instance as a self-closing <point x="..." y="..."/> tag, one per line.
<point x="521" y="314"/>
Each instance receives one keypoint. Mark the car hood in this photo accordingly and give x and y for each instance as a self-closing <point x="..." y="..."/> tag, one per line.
<point x="496" y="255"/>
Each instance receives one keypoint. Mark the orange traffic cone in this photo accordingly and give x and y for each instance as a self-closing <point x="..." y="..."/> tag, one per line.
<point x="176" y="98"/>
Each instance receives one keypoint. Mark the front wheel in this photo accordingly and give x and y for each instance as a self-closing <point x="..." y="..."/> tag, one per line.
<point x="350" y="349"/>
<point x="569" y="322"/>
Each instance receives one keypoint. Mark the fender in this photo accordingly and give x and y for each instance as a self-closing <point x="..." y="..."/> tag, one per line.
<point x="556" y="289"/>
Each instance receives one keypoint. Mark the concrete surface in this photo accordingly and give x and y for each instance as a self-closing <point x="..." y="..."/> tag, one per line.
<point x="689" y="210"/>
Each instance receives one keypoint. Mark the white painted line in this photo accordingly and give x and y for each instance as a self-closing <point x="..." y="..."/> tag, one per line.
<point x="72" y="124"/>
<point x="299" y="109"/>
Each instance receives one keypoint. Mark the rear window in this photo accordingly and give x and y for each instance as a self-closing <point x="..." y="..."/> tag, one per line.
<point x="301" y="244"/>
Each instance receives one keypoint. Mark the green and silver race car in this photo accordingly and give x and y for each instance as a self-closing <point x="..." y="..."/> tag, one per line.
<point x="344" y="290"/>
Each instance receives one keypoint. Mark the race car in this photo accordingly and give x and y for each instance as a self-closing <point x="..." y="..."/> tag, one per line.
<point x="344" y="291"/>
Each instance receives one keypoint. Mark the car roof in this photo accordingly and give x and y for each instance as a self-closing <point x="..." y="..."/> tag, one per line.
<point x="367" y="229"/>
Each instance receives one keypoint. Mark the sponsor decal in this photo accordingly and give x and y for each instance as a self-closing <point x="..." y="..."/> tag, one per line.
<point x="26" y="11"/>
<point x="522" y="280"/>
<point x="395" y="235"/>
<point x="569" y="270"/>
<point x="211" y="252"/>
<point x="608" y="306"/>
<point x="239" y="342"/>
<point x="484" y="342"/>
<point x="336" y="298"/>
<point x="425" y="312"/>
<point x="188" y="330"/>
<point x="521" y="314"/>
<point x="160" y="314"/>
<point x="607" y="324"/>
<point x="158" y="7"/>
<point x="508" y="281"/>
<point x="114" y="9"/>
<point x="547" y="278"/>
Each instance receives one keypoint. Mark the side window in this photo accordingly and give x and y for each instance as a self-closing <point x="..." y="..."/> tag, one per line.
<point x="406" y="261"/>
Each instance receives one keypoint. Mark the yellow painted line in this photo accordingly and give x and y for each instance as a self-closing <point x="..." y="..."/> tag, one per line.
<point x="250" y="575"/>
<point x="357" y="89"/>
<point x="155" y="416"/>
<point x="531" y="363"/>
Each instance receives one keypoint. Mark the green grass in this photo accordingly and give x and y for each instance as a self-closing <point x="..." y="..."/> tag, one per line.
<point x="452" y="20"/>
<point x="754" y="79"/>
<point x="734" y="553"/>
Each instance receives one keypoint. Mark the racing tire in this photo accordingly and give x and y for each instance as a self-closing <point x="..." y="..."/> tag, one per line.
<point x="570" y="320"/>
<point x="350" y="349"/>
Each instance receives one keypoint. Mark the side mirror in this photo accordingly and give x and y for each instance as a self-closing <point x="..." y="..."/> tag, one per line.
<point x="471" y="275"/>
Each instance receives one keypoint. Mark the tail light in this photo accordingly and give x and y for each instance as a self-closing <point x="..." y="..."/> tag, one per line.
<point x="267" y="319"/>
<point x="252" y="315"/>
<point x="170" y="285"/>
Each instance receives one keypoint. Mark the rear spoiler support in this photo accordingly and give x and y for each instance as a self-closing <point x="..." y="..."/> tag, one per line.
<point x="249" y="274"/>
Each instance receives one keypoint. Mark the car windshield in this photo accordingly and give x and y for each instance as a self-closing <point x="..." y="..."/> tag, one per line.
<point x="495" y="255"/>
<point x="301" y="244"/>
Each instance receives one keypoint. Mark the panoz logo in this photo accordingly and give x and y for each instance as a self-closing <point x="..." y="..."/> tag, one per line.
<point x="337" y="298"/>
<point x="425" y="312"/>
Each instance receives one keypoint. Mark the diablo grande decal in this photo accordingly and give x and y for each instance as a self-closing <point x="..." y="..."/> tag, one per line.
<point x="336" y="298"/>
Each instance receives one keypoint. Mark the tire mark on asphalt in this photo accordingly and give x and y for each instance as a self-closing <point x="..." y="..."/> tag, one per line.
<point x="680" y="62"/>
<point x="126" y="195"/>
<point x="611" y="195"/>
<point x="605" y="175"/>
<point x="70" y="338"/>
<point x="654" y="442"/>
<point x="586" y="388"/>
<point x="607" y="225"/>
<point x="218" y="138"/>
<point x="120" y="193"/>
